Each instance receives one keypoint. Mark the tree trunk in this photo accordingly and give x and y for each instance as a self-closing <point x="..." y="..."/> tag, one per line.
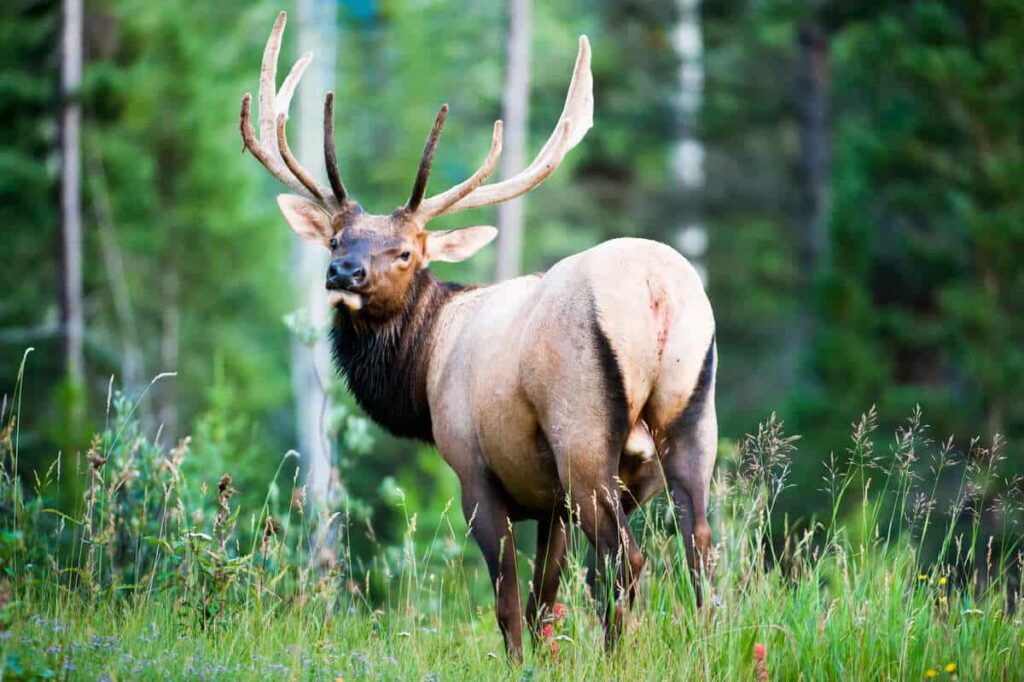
<point x="813" y="123"/>
<point x="72" y="317"/>
<point x="813" y="130"/>
<point x="317" y="32"/>
<point x="516" y="115"/>
<point x="688" y="156"/>
<point x="117" y="277"/>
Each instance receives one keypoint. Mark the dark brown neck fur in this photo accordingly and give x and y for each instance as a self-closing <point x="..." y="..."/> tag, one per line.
<point x="384" y="362"/>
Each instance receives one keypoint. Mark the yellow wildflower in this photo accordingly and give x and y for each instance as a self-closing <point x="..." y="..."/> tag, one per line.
<point x="922" y="577"/>
<point x="931" y="672"/>
<point x="942" y="599"/>
<point x="942" y="581"/>
<point x="951" y="667"/>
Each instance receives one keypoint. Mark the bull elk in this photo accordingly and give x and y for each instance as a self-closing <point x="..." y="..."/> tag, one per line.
<point x="575" y="394"/>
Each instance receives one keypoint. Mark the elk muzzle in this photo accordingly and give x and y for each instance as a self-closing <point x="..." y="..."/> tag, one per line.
<point x="347" y="274"/>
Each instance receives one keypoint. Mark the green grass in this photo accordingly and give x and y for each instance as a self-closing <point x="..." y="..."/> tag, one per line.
<point x="150" y="577"/>
<point x="877" y="621"/>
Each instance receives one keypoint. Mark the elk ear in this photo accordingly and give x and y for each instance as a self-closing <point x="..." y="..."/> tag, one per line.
<point x="306" y="219"/>
<point x="452" y="246"/>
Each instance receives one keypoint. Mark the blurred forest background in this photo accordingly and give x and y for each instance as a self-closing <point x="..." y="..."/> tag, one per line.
<point x="846" y="174"/>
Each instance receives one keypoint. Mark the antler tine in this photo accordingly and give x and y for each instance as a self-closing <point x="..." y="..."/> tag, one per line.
<point x="274" y="105"/>
<point x="423" y="174"/>
<point x="268" y="78"/>
<point x="440" y="203"/>
<point x="297" y="170"/>
<point x="268" y="158"/>
<point x="577" y="118"/>
<point x="331" y="153"/>
<point x="291" y="81"/>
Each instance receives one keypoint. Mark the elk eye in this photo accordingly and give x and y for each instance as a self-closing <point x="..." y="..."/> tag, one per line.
<point x="334" y="243"/>
<point x="406" y="255"/>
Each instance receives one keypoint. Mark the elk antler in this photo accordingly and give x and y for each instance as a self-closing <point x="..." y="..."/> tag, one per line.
<point x="423" y="173"/>
<point x="271" y="149"/>
<point x="577" y="118"/>
<point x="331" y="153"/>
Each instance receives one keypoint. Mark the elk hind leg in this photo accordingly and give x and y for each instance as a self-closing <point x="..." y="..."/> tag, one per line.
<point x="690" y="447"/>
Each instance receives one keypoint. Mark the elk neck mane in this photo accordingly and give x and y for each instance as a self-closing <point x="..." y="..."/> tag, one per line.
<point x="384" y="362"/>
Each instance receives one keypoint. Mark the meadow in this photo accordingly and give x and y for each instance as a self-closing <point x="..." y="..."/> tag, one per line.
<point x="154" y="576"/>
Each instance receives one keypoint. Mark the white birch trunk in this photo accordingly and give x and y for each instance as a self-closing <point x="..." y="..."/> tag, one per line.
<point x="316" y="22"/>
<point x="688" y="156"/>
<point x="516" y="116"/>
<point x="72" y="322"/>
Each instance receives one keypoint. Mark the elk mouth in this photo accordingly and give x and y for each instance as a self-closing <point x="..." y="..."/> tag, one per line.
<point x="350" y="299"/>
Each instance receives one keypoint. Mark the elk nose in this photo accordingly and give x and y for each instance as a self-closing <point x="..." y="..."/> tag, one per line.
<point x="345" y="273"/>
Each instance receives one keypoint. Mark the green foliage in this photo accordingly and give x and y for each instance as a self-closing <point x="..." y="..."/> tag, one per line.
<point x="921" y="300"/>
<point x="747" y="123"/>
<point x="227" y="440"/>
<point x="163" y="129"/>
<point x="28" y="60"/>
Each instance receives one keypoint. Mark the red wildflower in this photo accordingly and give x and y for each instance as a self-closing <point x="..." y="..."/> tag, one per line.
<point x="554" y="649"/>
<point x="760" y="667"/>
<point x="560" y="612"/>
<point x="547" y="632"/>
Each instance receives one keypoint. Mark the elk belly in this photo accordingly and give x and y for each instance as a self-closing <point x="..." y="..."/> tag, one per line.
<point x="640" y="443"/>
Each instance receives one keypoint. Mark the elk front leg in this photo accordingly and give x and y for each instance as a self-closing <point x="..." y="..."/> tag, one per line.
<point x="547" y="572"/>
<point x="487" y="515"/>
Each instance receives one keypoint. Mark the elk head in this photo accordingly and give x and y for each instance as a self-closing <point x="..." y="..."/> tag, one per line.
<point x="374" y="258"/>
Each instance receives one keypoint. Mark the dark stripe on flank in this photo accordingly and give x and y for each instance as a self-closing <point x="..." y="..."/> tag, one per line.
<point x="699" y="398"/>
<point x="614" y="391"/>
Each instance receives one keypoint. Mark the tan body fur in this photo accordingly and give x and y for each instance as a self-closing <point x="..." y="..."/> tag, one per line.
<point x="510" y="365"/>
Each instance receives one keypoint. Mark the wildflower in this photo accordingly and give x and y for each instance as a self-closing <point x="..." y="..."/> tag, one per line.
<point x="942" y="599"/>
<point x="931" y="672"/>
<point x="96" y="460"/>
<point x="951" y="667"/>
<point x="547" y="632"/>
<point x="271" y="528"/>
<point x="923" y="577"/>
<point x="760" y="666"/>
<point x="942" y="581"/>
<point x="224" y="493"/>
<point x="559" y="612"/>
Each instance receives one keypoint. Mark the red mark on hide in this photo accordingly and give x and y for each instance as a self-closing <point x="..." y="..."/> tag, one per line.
<point x="662" y="316"/>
